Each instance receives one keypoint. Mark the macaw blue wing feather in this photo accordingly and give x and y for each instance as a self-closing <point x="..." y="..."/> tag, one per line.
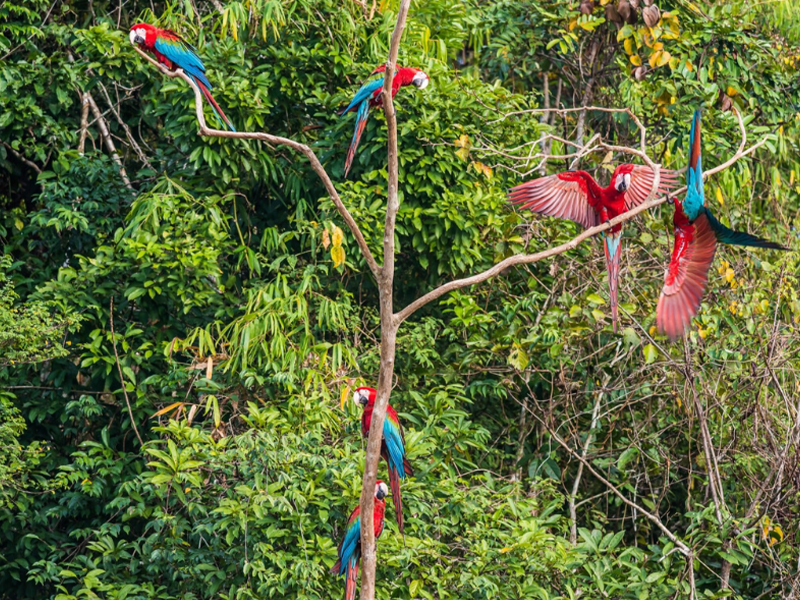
<point x="394" y="444"/>
<point x="184" y="57"/>
<point x="349" y="544"/>
<point x="365" y="92"/>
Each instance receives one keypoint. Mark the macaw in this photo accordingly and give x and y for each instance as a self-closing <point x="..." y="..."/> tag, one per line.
<point x="172" y="51"/>
<point x="369" y="96"/>
<point x="576" y="196"/>
<point x="697" y="232"/>
<point x="350" y="546"/>
<point x="393" y="444"/>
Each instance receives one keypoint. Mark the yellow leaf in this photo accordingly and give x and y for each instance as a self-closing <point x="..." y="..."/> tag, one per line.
<point x="326" y="239"/>
<point x="337" y="256"/>
<point x="345" y="395"/>
<point x="654" y="58"/>
<point x="604" y="2"/>
<point x="166" y="409"/>
<point x="663" y="59"/>
<point x="689" y="66"/>
<point x="636" y="60"/>
<point x="628" y="45"/>
<point x="504" y="550"/>
<point x="572" y="23"/>
<point x="337" y="236"/>
<point x="482" y="168"/>
<point x="462" y="153"/>
<point x="463" y="142"/>
<point x="731" y="91"/>
<point x="729" y="275"/>
<point x="674" y="63"/>
<point x="720" y="199"/>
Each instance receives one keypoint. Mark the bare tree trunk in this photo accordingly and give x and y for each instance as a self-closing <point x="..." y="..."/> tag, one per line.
<point x="389" y="322"/>
<point x="544" y="121"/>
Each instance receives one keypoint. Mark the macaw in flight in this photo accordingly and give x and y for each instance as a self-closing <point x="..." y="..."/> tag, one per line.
<point x="369" y="96"/>
<point x="174" y="52"/>
<point x="350" y="546"/>
<point x="697" y="232"/>
<point x="576" y="196"/>
<point x="393" y="448"/>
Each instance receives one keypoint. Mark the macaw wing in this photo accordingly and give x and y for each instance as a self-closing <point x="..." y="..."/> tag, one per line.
<point x="365" y="92"/>
<point x="393" y="437"/>
<point x="351" y="539"/>
<point x="695" y="198"/>
<point x="642" y="182"/>
<point x="183" y="55"/>
<point x="555" y="196"/>
<point x="686" y="277"/>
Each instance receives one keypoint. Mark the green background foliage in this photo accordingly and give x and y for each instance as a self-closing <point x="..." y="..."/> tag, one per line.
<point x="235" y="332"/>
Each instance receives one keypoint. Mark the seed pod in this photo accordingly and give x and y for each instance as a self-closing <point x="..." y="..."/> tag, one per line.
<point x="651" y="15"/>
<point x="648" y="2"/>
<point x="587" y="6"/>
<point x="634" y="4"/>
<point x="639" y="73"/>
<point x="612" y="14"/>
<point x="626" y="11"/>
<point x="727" y="103"/>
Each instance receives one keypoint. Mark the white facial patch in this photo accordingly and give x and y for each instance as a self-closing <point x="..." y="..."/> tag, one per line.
<point x="421" y="80"/>
<point x="137" y="36"/>
<point x="384" y="488"/>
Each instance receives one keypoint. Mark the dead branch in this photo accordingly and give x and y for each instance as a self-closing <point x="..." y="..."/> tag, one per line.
<point x="21" y="158"/>
<point x="112" y="150"/>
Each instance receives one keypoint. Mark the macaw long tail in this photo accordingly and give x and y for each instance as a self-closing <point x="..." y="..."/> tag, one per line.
<point x="739" y="238"/>
<point x="397" y="499"/>
<point x="612" y="246"/>
<point x="221" y="118"/>
<point x="351" y="577"/>
<point x="361" y="123"/>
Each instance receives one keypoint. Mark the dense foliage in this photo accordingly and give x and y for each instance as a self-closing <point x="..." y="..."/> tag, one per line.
<point x="175" y="334"/>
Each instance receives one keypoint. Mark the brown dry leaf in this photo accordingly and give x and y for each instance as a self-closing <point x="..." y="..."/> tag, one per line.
<point x="166" y="409"/>
<point x="209" y="367"/>
<point x="326" y="239"/>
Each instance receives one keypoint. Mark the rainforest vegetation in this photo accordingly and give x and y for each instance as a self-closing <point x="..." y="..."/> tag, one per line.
<point x="180" y="315"/>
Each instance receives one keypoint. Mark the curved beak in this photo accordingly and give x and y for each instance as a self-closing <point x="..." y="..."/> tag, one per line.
<point x="421" y="80"/>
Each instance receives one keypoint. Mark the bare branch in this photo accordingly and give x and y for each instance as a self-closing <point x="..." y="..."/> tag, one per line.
<point x="112" y="150"/>
<point x="205" y="131"/>
<point x="21" y="158"/>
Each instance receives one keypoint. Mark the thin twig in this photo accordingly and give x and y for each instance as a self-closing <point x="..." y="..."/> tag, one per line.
<point x="121" y="376"/>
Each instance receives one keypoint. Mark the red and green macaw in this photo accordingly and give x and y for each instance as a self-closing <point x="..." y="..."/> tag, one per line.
<point x="369" y="96"/>
<point x="576" y="196"/>
<point x="393" y="445"/>
<point x="172" y="51"/>
<point x="350" y="546"/>
<point x="697" y="232"/>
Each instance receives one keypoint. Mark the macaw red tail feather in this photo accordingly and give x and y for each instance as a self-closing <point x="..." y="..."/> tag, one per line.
<point x="612" y="247"/>
<point x="686" y="279"/>
<point x="352" y="578"/>
<point x="394" y="483"/>
<point x="214" y="106"/>
<point x="361" y="123"/>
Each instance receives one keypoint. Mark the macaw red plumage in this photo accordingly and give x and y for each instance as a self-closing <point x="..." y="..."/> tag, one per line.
<point x="576" y="196"/>
<point x="350" y="546"/>
<point x="172" y="51"/>
<point x="697" y="232"/>
<point x="393" y="444"/>
<point x="369" y="96"/>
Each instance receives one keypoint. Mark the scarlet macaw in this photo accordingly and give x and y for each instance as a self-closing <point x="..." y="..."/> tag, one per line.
<point x="697" y="232"/>
<point x="393" y="448"/>
<point x="369" y="95"/>
<point x="350" y="546"/>
<point x="576" y="196"/>
<point x="174" y="52"/>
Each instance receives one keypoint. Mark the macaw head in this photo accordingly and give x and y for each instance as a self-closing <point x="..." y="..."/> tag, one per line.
<point x="365" y="395"/>
<point x="420" y="79"/>
<point x="142" y="34"/>
<point x="381" y="490"/>
<point x="622" y="178"/>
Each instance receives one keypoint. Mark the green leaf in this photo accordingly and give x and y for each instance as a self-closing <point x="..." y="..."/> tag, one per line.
<point x="650" y="353"/>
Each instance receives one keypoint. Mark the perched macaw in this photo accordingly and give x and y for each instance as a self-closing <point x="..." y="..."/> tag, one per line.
<point x="174" y="52"/>
<point x="576" y="196"/>
<point x="350" y="546"/>
<point x="697" y="232"/>
<point x="369" y="95"/>
<point x="393" y="448"/>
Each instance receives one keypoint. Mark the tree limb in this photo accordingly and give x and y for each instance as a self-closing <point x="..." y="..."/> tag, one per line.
<point x="205" y="131"/>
